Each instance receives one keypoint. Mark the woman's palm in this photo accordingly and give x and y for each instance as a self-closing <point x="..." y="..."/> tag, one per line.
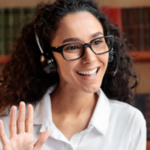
<point x="23" y="141"/>
<point x="21" y="131"/>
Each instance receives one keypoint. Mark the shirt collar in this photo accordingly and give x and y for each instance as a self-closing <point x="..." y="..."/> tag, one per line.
<point x="42" y="110"/>
<point x="100" y="117"/>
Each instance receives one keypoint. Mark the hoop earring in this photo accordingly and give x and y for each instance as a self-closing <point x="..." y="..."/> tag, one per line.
<point x="136" y="81"/>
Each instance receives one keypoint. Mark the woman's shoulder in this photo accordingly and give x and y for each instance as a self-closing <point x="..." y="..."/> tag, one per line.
<point x="119" y="105"/>
<point x="129" y="121"/>
<point x="127" y="113"/>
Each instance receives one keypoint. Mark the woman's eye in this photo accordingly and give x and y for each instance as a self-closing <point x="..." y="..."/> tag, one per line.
<point x="71" y="48"/>
<point x="97" y="42"/>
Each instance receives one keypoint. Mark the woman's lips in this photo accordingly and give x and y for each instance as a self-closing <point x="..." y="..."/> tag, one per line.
<point x="87" y="75"/>
<point x="89" y="72"/>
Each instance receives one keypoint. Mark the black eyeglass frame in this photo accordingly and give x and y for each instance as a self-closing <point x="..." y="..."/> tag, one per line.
<point x="60" y="48"/>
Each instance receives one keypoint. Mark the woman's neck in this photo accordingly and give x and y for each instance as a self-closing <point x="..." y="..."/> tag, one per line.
<point x="72" y="102"/>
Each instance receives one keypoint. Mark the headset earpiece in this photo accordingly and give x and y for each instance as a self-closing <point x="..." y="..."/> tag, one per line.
<point x="48" y="62"/>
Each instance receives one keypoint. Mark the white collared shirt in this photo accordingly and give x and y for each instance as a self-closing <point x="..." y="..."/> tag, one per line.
<point x="114" y="125"/>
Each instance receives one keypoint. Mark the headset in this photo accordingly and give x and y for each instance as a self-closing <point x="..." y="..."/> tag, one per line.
<point x="48" y="62"/>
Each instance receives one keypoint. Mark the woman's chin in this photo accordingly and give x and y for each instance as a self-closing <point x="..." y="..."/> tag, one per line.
<point x="90" y="89"/>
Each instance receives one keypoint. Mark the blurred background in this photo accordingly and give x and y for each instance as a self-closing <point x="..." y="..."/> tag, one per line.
<point x="131" y="16"/>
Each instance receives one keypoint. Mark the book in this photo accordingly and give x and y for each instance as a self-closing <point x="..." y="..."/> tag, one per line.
<point x="148" y="28"/>
<point x="141" y="29"/>
<point x="136" y="29"/>
<point x="128" y="23"/>
<point x="9" y="21"/>
<point x="2" y="31"/>
<point x="17" y="23"/>
<point x="146" y="19"/>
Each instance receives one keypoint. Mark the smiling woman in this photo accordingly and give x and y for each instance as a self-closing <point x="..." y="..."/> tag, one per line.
<point x="71" y="64"/>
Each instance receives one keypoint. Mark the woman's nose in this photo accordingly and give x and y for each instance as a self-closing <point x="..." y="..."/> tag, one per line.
<point x="89" y="57"/>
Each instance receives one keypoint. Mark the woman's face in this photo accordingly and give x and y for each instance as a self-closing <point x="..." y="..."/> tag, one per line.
<point x="80" y="27"/>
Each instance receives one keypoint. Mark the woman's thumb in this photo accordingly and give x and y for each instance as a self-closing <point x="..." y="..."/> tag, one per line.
<point x="41" y="140"/>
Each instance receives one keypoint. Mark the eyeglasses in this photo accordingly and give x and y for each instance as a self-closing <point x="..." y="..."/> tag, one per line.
<point x="74" y="51"/>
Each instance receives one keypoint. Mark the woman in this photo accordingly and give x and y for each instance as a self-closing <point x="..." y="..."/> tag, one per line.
<point x="62" y="58"/>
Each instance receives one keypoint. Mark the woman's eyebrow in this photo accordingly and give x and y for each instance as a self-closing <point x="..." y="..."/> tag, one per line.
<point x="70" y="40"/>
<point x="76" y="39"/>
<point x="96" y="34"/>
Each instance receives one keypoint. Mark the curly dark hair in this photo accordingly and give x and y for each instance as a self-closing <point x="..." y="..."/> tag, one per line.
<point x="24" y="78"/>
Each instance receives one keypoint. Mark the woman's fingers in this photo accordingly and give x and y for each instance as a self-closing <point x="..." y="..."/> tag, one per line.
<point x="41" y="140"/>
<point x="3" y="136"/>
<point x="23" y="125"/>
<point x="12" y="122"/>
<point x="29" y="120"/>
<point x="21" y="118"/>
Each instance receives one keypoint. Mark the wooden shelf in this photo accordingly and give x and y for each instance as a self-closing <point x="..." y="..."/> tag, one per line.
<point x="4" y="59"/>
<point x="140" y="55"/>
<point x="148" y="145"/>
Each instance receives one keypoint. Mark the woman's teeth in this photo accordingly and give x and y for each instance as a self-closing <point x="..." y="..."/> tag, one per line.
<point x="92" y="72"/>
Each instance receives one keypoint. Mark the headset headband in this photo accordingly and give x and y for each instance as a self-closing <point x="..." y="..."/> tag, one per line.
<point x="38" y="43"/>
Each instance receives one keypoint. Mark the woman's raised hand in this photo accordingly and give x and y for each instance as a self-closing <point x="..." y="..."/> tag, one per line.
<point x="21" y="131"/>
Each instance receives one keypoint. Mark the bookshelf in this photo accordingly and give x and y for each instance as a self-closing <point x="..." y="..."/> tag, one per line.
<point x="115" y="16"/>
<point x="11" y="22"/>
